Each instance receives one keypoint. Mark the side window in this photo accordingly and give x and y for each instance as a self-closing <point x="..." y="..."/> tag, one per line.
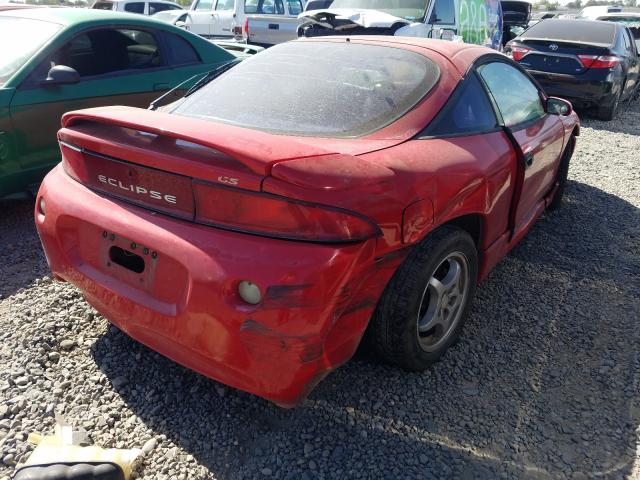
<point x="134" y="7"/>
<point x="104" y="51"/>
<point x="443" y="12"/>
<point x="517" y="98"/>
<point x="204" y="5"/>
<point x="182" y="52"/>
<point x="161" y="7"/>
<point x="250" y="6"/>
<point x="470" y="113"/>
<point x="294" y="6"/>
<point x="267" y="6"/>
<point x="224" y="5"/>
<point x="628" y="42"/>
<point x="270" y="7"/>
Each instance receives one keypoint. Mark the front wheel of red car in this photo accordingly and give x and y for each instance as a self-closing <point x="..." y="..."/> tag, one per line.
<point x="425" y="305"/>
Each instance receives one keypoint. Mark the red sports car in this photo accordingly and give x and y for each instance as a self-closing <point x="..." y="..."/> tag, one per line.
<point x="324" y="190"/>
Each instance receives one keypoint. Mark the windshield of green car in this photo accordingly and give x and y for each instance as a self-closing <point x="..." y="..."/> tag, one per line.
<point x="407" y="9"/>
<point x="25" y="36"/>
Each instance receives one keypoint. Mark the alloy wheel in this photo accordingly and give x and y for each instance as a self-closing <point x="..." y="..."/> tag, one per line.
<point x="443" y="300"/>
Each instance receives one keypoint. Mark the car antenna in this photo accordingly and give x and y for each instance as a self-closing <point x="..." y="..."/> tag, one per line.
<point x="153" y="105"/>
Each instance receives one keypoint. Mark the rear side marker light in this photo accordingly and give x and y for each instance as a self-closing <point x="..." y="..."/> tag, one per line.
<point x="596" y="61"/>
<point x="518" y="52"/>
<point x="278" y="217"/>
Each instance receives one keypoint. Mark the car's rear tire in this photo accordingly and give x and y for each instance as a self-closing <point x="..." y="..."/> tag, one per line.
<point x="563" y="173"/>
<point x="424" y="307"/>
<point x="607" y="112"/>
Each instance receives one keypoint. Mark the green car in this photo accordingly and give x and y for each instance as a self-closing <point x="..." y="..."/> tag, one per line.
<point x="54" y="60"/>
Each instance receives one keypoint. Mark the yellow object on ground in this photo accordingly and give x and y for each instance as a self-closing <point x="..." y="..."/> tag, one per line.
<point x="64" y="447"/>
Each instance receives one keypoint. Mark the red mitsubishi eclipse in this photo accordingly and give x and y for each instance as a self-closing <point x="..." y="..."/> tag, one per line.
<point x="324" y="190"/>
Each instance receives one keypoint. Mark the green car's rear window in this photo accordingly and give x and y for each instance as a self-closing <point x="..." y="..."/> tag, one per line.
<point x="322" y="89"/>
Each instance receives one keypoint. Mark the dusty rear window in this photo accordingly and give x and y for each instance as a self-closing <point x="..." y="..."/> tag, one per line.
<point x="316" y="88"/>
<point x="583" y="31"/>
<point x="103" y="6"/>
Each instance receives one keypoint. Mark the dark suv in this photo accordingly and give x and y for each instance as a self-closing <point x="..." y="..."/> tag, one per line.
<point x="590" y="63"/>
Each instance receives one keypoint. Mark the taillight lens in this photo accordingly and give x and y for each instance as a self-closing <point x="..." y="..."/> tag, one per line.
<point x="73" y="162"/>
<point x="278" y="217"/>
<point x="518" y="52"/>
<point x="599" y="61"/>
<point x="246" y="29"/>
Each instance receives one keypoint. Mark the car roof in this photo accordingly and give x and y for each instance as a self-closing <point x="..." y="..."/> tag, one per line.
<point x="461" y="55"/>
<point x="71" y="16"/>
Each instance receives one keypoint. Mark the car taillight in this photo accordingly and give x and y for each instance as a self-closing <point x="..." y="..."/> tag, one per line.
<point x="73" y="162"/>
<point x="246" y="29"/>
<point x="599" y="61"/>
<point x="279" y="217"/>
<point x="237" y="31"/>
<point x="518" y="52"/>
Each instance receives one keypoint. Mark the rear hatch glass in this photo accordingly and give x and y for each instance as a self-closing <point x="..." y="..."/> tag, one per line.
<point x="322" y="89"/>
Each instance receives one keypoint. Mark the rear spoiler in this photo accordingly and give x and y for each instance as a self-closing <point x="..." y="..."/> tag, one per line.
<point x="258" y="151"/>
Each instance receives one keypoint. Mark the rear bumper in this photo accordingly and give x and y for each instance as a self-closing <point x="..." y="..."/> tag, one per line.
<point x="317" y="299"/>
<point x="575" y="89"/>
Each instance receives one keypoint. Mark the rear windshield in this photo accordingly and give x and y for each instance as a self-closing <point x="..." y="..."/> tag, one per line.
<point x="316" y="88"/>
<point x="573" y="31"/>
<point x="103" y="6"/>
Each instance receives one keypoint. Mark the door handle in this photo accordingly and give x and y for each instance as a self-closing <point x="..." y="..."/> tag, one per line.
<point x="528" y="159"/>
<point x="274" y="26"/>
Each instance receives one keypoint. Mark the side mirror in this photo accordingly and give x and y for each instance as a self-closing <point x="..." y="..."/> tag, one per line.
<point x="559" y="106"/>
<point x="62" y="75"/>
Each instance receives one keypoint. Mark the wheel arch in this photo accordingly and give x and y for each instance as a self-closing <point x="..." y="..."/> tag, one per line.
<point x="472" y="223"/>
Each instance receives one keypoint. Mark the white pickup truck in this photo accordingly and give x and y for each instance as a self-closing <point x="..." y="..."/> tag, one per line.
<point x="270" y="22"/>
<point x="264" y="22"/>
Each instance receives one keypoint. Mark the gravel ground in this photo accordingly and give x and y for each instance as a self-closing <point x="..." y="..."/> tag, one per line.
<point x="545" y="382"/>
